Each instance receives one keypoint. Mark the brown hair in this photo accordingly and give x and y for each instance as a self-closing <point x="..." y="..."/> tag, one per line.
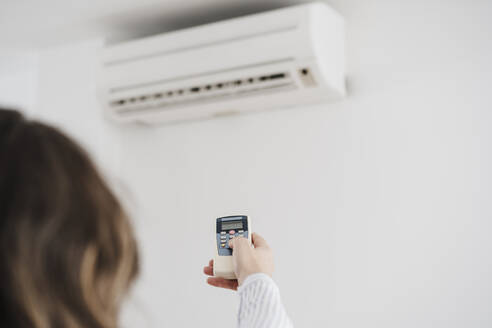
<point x="67" y="250"/>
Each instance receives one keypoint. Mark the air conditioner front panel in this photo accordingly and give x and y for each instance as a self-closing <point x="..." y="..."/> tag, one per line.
<point x="215" y="58"/>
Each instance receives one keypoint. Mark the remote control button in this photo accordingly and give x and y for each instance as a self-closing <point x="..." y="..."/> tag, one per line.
<point x="231" y="232"/>
<point x="222" y="245"/>
<point x="222" y="232"/>
<point x="241" y="231"/>
<point x="241" y="235"/>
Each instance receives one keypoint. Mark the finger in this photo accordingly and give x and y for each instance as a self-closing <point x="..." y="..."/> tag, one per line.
<point x="258" y="240"/>
<point x="208" y="270"/>
<point x="232" y="241"/>
<point x="236" y="241"/>
<point x="222" y="283"/>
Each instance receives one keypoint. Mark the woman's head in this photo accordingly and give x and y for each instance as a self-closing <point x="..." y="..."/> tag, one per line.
<point x="67" y="251"/>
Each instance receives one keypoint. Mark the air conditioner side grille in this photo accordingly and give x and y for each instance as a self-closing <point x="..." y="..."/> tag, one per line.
<point x="169" y="98"/>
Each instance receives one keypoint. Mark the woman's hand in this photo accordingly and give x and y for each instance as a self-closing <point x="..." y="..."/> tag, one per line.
<point x="247" y="261"/>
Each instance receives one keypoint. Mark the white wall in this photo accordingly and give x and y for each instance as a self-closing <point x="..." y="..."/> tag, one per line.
<point x="67" y="97"/>
<point x="378" y="207"/>
<point x="18" y="81"/>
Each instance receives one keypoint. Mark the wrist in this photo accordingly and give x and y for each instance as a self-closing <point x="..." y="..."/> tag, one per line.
<point x="253" y="278"/>
<point x="245" y="275"/>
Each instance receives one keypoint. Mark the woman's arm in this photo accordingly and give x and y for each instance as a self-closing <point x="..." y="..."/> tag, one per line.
<point x="260" y="303"/>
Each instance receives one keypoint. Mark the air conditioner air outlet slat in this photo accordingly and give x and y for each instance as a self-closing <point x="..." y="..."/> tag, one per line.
<point x="215" y="90"/>
<point x="207" y="99"/>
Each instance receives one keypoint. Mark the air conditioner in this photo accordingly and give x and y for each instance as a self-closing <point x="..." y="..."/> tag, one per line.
<point x="282" y="58"/>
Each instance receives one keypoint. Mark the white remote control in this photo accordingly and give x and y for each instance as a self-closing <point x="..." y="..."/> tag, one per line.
<point x="228" y="227"/>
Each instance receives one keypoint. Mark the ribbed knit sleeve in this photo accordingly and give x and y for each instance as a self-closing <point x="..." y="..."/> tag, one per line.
<point x="260" y="304"/>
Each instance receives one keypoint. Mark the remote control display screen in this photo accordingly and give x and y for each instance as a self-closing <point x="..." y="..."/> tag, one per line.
<point x="232" y="225"/>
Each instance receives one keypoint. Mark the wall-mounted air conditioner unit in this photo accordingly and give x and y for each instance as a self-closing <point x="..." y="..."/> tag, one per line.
<point x="281" y="58"/>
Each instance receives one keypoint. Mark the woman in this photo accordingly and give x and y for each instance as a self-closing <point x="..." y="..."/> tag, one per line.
<point x="67" y="250"/>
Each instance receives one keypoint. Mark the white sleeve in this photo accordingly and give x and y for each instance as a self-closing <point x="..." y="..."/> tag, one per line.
<point x="260" y="304"/>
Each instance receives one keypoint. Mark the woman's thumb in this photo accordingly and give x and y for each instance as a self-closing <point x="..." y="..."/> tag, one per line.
<point x="238" y="242"/>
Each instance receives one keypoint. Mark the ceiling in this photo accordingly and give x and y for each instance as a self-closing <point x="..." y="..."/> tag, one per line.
<point x="30" y="24"/>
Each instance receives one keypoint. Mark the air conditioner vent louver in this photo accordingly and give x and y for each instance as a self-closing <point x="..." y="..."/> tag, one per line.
<point x="168" y="99"/>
